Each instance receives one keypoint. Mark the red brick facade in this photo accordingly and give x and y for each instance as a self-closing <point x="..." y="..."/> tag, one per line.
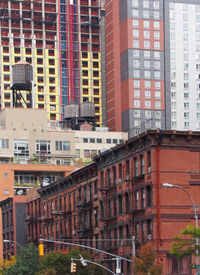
<point x="120" y="195"/>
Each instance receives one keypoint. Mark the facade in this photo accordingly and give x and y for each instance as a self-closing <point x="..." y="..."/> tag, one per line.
<point x="41" y="141"/>
<point x="13" y="213"/>
<point x="120" y="195"/>
<point x="152" y="81"/>
<point x="16" y="179"/>
<point x="91" y="143"/>
<point x="61" y="39"/>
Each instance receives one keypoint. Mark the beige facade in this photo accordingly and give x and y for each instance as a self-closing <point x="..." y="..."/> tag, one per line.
<point x="90" y="143"/>
<point x="26" y="136"/>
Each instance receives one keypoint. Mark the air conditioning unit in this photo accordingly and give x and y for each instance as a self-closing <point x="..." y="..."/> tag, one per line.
<point x="149" y="237"/>
<point x="149" y="170"/>
<point x="119" y="180"/>
<point x="95" y="212"/>
<point x="127" y="177"/>
<point x="74" y="232"/>
<point x="95" y="196"/>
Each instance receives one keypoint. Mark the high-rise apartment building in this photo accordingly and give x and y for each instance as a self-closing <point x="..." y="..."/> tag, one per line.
<point x="61" y="39"/>
<point x="152" y="55"/>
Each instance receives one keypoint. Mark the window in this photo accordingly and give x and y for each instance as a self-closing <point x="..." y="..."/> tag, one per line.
<point x="120" y="205"/>
<point x="147" y="103"/>
<point x="157" y="44"/>
<point x="149" y="161"/>
<point x="99" y="140"/>
<point x="147" y="84"/>
<point x="92" y="140"/>
<point x="147" y="93"/>
<point x="147" y="74"/>
<point x="136" y="73"/>
<point x="85" y="140"/>
<point x="146" y="34"/>
<point x="146" y="14"/>
<point x="137" y="113"/>
<point x="136" y="63"/>
<point x="137" y="200"/>
<point x="77" y="153"/>
<point x="149" y="195"/>
<point x="108" y="140"/>
<point x="136" y="44"/>
<point x="136" y="53"/>
<point x="146" y="24"/>
<point x="136" y="93"/>
<point x="157" y="85"/>
<point x="142" y="165"/>
<point x="157" y="94"/>
<point x="137" y="83"/>
<point x="86" y="153"/>
<point x="43" y="146"/>
<point x="148" y="113"/>
<point x="4" y="144"/>
<point x="135" y="13"/>
<point x="137" y="103"/>
<point x="62" y="145"/>
<point x="142" y="198"/>
<point x="135" y="23"/>
<point x="135" y="3"/>
<point x="120" y="171"/>
<point x="147" y="54"/>
<point x="135" y="33"/>
<point x="147" y="64"/>
<point x="136" y="166"/>
<point x="157" y="104"/>
<point x="21" y="150"/>
<point x="146" y="44"/>
<point x="156" y="25"/>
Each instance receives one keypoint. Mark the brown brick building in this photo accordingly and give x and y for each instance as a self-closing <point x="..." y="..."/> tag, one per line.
<point x="120" y="195"/>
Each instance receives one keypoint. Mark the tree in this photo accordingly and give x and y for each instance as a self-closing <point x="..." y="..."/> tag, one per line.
<point x="27" y="262"/>
<point x="187" y="245"/>
<point x="7" y="263"/>
<point x="147" y="262"/>
<point x="61" y="263"/>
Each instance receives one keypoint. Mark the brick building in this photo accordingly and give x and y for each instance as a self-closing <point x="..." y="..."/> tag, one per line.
<point x="16" y="179"/>
<point x="120" y="195"/>
<point x="13" y="223"/>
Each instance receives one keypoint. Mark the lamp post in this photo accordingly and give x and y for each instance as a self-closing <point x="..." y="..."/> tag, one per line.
<point x="168" y="185"/>
<point x="11" y="241"/>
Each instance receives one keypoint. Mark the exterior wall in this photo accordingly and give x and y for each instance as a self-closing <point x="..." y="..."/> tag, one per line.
<point x="12" y="186"/>
<point x="90" y="143"/>
<point x="52" y="39"/>
<point x="182" y="43"/>
<point x="121" y="195"/>
<point x="113" y="65"/>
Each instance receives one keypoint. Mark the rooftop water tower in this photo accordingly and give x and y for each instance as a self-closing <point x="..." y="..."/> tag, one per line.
<point x="22" y="77"/>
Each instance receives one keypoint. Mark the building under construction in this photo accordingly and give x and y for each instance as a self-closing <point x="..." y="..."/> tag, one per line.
<point x="63" y="40"/>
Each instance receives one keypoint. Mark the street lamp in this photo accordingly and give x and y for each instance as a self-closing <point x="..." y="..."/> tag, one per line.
<point x="11" y="241"/>
<point x="168" y="185"/>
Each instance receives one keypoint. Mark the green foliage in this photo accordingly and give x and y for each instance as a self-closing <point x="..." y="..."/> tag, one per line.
<point x="61" y="263"/>
<point x="147" y="262"/>
<point x="187" y="245"/>
<point x="27" y="262"/>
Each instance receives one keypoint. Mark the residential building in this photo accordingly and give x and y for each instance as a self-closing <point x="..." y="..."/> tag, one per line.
<point x="61" y="39"/>
<point x="14" y="225"/>
<point x="90" y="143"/>
<point x="16" y="179"/>
<point x="37" y="140"/>
<point x="121" y="195"/>
<point x="152" y="69"/>
<point x="26" y="136"/>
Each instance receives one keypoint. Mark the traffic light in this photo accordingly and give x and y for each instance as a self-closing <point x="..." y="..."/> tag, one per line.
<point x="41" y="249"/>
<point x="73" y="267"/>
